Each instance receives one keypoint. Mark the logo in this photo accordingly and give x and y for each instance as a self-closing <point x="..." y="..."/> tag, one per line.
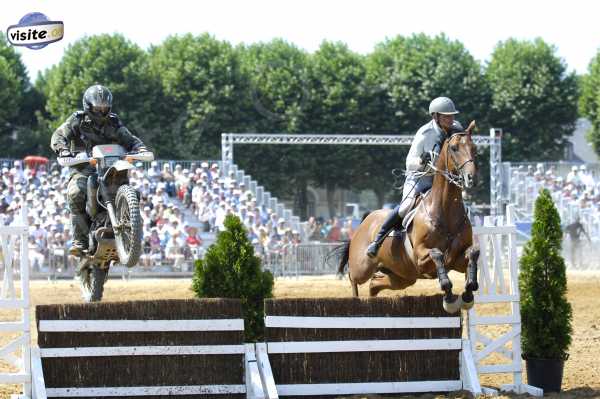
<point x="35" y="31"/>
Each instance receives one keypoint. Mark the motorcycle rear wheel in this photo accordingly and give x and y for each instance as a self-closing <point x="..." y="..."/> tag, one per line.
<point x="129" y="239"/>
<point x="92" y="283"/>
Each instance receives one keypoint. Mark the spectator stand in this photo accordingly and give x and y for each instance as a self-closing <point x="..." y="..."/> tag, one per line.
<point x="575" y="189"/>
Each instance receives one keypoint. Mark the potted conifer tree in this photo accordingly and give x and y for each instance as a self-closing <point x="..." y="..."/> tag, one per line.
<point x="546" y="314"/>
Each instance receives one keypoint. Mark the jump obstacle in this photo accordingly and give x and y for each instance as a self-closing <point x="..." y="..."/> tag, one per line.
<point x="305" y="350"/>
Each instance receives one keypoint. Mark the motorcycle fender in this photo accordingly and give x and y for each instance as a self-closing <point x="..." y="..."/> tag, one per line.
<point x="122" y="165"/>
<point x="118" y="167"/>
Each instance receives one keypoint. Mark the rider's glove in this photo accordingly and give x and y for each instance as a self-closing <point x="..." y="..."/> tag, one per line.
<point x="65" y="153"/>
<point x="425" y="158"/>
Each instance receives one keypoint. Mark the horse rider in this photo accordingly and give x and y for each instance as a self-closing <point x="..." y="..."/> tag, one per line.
<point x="83" y="130"/>
<point x="427" y="142"/>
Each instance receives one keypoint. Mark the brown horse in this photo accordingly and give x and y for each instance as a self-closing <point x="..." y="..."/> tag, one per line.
<point x="440" y="237"/>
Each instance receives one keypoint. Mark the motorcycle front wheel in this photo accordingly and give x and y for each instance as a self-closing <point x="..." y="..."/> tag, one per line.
<point x="129" y="238"/>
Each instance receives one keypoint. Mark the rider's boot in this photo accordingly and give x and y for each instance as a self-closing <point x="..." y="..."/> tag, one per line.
<point x="81" y="227"/>
<point x="394" y="218"/>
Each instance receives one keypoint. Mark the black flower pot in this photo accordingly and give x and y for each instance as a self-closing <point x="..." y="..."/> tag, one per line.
<point x="545" y="373"/>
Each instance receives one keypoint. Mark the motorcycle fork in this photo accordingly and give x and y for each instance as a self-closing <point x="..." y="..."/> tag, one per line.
<point x="107" y="197"/>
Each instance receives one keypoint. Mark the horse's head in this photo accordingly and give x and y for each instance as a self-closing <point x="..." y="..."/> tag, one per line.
<point x="460" y="152"/>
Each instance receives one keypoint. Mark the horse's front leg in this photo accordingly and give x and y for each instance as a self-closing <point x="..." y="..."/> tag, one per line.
<point x="471" y="285"/>
<point x="451" y="304"/>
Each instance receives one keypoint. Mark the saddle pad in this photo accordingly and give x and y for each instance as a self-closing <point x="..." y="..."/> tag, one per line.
<point x="401" y="234"/>
<point x="409" y="218"/>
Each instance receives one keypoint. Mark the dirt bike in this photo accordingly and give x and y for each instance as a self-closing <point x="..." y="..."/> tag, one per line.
<point x="113" y="206"/>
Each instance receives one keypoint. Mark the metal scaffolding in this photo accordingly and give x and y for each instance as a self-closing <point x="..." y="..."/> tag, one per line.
<point x="228" y="140"/>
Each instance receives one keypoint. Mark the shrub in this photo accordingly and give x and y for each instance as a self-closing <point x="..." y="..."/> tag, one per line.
<point x="231" y="270"/>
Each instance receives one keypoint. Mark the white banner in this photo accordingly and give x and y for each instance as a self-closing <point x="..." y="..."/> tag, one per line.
<point x="40" y="33"/>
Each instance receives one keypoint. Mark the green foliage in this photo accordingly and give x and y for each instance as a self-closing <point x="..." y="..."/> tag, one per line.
<point x="231" y="270"/>
<point x="336" y="82"/>
<point x="534" y="100"/>
<point x="180" y="95"/>
<point x="203" y="88"/>
<point x="110" y="60"/>
<point x="589" y="101"/>
<point x="408" y="72"/>
<point x="21" y="103"/>
<point x="545" y="312"/>
<point x="277" y="102"/>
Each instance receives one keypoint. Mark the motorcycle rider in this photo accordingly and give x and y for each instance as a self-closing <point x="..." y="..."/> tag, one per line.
<point x="83" y="130"/>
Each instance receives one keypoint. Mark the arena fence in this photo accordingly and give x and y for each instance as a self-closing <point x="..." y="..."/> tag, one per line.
<point x="310" y="259"/>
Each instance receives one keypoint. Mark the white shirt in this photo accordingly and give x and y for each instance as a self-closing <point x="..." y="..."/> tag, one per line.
<point x="426" y="138"/>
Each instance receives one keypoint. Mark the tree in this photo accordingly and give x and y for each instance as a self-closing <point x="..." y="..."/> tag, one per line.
<point x="545" y="312"/>
<point x="115" y="62"/>
<point x="534" y="99"/>
<point x="404" y="74"/>
<point x="277" y="102"/>
<point x="20" y="101"/>
<point x="231" y="270"/>
<point x="204" y="90"/>
<point x="589" y="101"/>
<point x="336" y="81"/>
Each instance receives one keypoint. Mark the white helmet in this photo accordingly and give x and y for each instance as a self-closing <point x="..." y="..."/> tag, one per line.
<point x="442" y="105"/>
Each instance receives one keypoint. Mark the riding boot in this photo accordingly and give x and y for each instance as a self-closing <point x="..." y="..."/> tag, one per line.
<point x="81" y="228"/>
<point x="393" y="219"/>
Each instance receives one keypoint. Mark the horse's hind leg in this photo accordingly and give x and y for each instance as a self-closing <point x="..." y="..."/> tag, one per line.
<point x="381" y="281"/>
<point x="451" y="305"/>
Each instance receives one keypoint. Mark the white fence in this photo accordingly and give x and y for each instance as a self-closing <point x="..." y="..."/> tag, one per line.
<point x="14" y="240"/>
<point x="498" y="284"/>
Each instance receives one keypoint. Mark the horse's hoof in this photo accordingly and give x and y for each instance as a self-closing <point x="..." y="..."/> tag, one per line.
<point x="452" y="307"/>
<point x="467" y="300"/>
<point x="472" y="286"/>
<point x="467" y="296"/>
<point x="467" y="305"/>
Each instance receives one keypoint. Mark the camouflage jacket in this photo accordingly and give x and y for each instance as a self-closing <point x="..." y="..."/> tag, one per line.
<point x="78" y="134"/>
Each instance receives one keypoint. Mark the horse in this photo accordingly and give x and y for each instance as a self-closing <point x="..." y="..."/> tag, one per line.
<point x="439" y="239"/>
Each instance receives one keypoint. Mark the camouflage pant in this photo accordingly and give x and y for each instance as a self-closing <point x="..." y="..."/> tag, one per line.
<point x="76" y="197"/>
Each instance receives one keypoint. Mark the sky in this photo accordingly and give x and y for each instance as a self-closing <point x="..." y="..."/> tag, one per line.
<point x="572" y="26"/>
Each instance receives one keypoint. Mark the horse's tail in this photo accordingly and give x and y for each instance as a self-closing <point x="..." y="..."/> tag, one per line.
<point x="342" y="252"/>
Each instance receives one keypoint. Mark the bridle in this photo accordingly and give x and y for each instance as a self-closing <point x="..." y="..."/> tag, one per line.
<point x="456" y="179"/>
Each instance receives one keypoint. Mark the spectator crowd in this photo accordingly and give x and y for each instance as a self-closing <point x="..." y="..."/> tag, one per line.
<point x="180" y="208"/>
<point x="579" y="190"/>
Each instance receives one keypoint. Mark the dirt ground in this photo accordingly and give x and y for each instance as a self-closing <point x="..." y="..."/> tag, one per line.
<point x="582" y="370"/>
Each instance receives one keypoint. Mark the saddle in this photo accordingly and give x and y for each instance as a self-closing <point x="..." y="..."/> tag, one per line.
<point x="400" y="232"/>
<point x="410" y="215"/>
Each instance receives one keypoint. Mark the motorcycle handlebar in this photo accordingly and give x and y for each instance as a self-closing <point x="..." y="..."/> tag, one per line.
<point x="82" y="157"/>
